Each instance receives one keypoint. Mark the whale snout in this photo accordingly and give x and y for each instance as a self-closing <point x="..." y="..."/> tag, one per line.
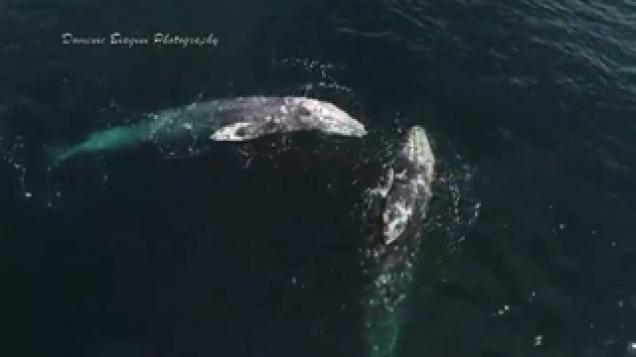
<point x="345" y="127"/>
<point x="332" y="119"/>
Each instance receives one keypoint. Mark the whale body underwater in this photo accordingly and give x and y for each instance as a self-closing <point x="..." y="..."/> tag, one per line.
<point x="229" y="119"/>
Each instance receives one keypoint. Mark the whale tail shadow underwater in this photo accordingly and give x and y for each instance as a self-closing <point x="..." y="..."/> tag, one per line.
<point x="397" y="207"/>
<point x="230" y="119"/>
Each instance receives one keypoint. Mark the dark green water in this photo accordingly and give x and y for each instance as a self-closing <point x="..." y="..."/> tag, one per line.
<point x="251" y="250"/>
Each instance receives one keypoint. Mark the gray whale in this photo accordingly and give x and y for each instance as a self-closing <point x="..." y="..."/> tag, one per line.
<point x="398" y="206"/>
<point x="228" y="119"/>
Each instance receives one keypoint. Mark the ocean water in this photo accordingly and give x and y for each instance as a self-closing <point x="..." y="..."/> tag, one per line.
<point x="252" y="249"/>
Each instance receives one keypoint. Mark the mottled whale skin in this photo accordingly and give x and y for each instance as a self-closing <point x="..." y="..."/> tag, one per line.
<point x="398" y="207"/>
<point x="228" y="119"/>
<point x="251" y="117"/>
<point x="406" y="190"/>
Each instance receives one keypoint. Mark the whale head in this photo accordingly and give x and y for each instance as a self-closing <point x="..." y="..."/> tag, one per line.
<point x="417" y="147"/>
<point x="251" y="117"/>
<point x="410" y="188"/>
<point x="325" y="117"/>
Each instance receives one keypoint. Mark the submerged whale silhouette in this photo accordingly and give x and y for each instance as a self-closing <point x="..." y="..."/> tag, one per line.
<point x="230" y="119"/>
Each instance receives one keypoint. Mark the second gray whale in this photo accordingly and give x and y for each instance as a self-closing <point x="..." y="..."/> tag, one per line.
<point x="227" y="119"/>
